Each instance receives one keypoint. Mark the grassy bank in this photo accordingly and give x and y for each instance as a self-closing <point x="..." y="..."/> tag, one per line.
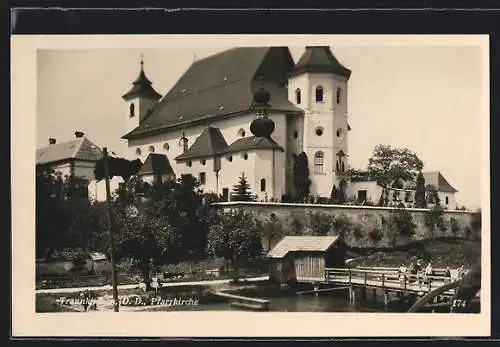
<point x="442" y="253"/>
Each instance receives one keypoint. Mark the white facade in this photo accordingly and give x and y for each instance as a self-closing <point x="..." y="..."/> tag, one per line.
<point x="323" y="97"/>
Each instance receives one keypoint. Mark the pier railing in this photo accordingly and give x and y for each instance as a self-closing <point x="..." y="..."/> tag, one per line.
<point x="385" y="278"/>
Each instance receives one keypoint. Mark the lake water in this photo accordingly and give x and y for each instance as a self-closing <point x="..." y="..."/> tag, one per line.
<point x="286" y="301"/>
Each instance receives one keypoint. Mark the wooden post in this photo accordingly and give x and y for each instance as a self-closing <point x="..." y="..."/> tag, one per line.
<point x="386" y="298"/>
<point x="430" y="287"/>
<point x="374" y="292"/>
<point x="383" y="280"/>
<point x="404" y="285"/>
<point x="110" y="230"/>
<point x="365" y="278"/>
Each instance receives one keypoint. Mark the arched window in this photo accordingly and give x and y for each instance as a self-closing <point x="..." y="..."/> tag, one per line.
<point x="339" y="95"/>
<point x="342" y="166"/>
<point x="263" y="185"/>
<point x="166" y="147"/>
<point x="319" y="161"/>
<point x="319" y="94"/>
<point x="241" y="132"/>
<point x="138" y="151"/>
<point x="151" y="149"/>
<point x="298" y="96"/>
<point x="337" y="166"/>
<point x="447" y="200"/>
<point x="132" y="110"/>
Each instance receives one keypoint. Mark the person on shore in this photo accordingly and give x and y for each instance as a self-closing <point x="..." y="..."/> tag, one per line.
<point x="460" y="272"/>
<point x="418" y="269"/>
<point x="85" y="298"/>
<point x="413" y="272"/>
<point x="428" y="272"/>
<point x="402" y="272"/>
<point x="447" y="275"/>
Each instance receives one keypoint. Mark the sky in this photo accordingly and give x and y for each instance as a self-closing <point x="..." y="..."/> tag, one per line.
<point x="425" y="98"/>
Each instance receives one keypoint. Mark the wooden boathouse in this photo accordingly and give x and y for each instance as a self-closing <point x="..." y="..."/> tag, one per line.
<point x="305" y="258"/>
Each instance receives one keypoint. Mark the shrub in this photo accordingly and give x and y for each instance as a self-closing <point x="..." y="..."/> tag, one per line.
<point x="342" y="225"/>
<point x="454" y="225"/>
<point x="358" y="231"/>
<point x="321" y="223"/>
<point x="434" y="217"/>
<point x="287" y="198"/>
<point x="401" y="222"/>
<point x="475" y="222"/>
<point x="375" y="234"/>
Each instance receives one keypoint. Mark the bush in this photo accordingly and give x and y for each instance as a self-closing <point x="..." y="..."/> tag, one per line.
<point x="375" y="234"/>
<point x="321" y="223"/>
<point x="475" y="222"/>
<point x="434" y="217"/>
<point x="287" y="198"/>
<point x="401" y="221"/>
<point x="342" y="225"/>
<point x="455" y="228"/>
<point x="358" y="231"/>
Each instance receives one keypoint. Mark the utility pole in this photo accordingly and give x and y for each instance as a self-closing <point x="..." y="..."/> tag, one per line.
<point x="110" y="229"/>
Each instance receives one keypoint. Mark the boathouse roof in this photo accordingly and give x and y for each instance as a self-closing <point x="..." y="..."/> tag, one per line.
<point x="302" y="244"/>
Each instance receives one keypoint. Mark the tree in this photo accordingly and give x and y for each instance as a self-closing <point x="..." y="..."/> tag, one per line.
<point x="147" y="238"/>
<point x="236" y="238"/>
<point x="64" y="215"/>
<point x="333" y="194"/>
<point x="389" y="164"/>
<point x="420" y="200"/>
<point x="301" y="179"/>
<point x="272" y="231"/>
<point x="241" y="191"/>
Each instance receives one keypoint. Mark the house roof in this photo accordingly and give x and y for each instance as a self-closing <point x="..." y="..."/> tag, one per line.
<point x="436" y="179"/>
<point x="209" y="143"/>
<point x="320" y="59"/>
<point x="80" y="149"/>
<point x="142" y="87"/>
<point x="222" y="85"/>
<point x="156" y="164"/>
<point x="302" y="243"/>
<point x="252" y="143"/>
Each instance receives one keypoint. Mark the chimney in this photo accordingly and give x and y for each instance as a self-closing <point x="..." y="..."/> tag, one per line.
<point x="78" y="134"/>
<point x="52" y="141"/>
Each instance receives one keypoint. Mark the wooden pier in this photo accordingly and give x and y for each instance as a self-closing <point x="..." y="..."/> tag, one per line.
<point x="385" y="279"/>
<point x="245" y="302"/>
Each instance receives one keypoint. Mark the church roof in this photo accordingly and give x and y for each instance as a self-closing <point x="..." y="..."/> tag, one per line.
<point x="221" y="85"/>
<point x="436" y="179"/>
<point x="319" y="59"/>
<point x="209" y="143"/>
<point x="142" y="87"/>
<point x="79" y="149"/>
<point x="253" y="142"/>
<point x="156" y="164"/>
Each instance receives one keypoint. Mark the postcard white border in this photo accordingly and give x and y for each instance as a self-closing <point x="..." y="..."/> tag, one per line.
<point x="25" y="322"/>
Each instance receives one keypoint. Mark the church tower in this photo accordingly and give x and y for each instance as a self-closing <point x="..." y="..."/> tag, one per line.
<point x="140" y="100"/>
<point x="318" y="85"/>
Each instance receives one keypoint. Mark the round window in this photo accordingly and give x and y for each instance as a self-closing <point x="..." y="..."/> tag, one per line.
<point x="319" y="131"/>
<point x="152" y="149"/>
<point x="230" y="158"/>
<point x="245" y="156"/>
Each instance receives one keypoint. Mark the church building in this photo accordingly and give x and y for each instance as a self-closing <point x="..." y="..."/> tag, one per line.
<point x="247" y="111"/>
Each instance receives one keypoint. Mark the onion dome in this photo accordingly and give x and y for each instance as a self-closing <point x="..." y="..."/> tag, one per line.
<point x="262" y="126"/>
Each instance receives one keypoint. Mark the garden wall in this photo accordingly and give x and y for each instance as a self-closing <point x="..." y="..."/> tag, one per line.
<point x="366" y="226"/>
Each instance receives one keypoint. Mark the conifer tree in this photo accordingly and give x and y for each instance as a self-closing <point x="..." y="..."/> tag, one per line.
<point x="241" y="191"/>
<point x="420" y="200"/>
